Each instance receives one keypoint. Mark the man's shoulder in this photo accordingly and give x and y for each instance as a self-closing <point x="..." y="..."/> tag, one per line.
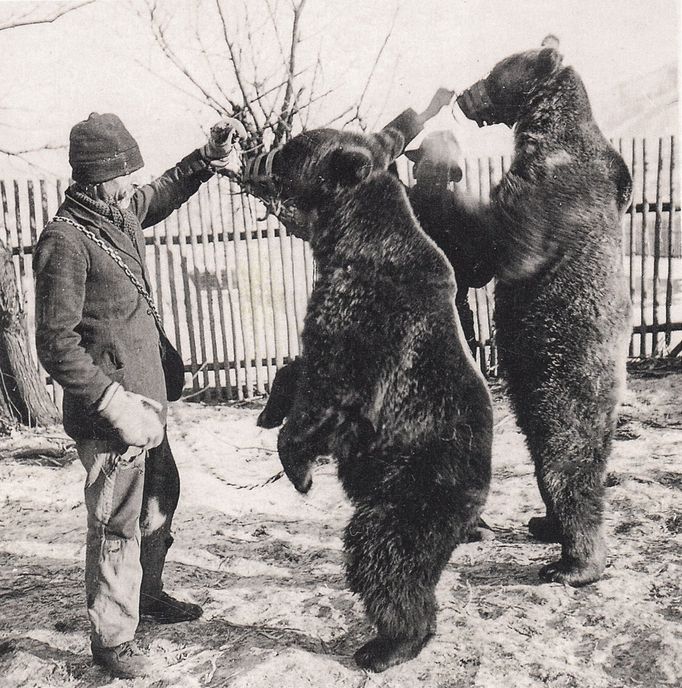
<point x="60" y="235"/>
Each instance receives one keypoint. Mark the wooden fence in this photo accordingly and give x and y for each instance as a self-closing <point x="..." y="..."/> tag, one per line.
<point x="232" y="285"/>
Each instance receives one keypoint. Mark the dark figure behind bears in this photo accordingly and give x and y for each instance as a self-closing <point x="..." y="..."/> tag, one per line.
<point x="385" y="385"/>
<point x="562" y="308"/>
<point x="452" y="220"/>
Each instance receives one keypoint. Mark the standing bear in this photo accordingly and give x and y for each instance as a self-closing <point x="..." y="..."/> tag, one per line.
<point x="384" y="384"/>
<point x="562" y="308"/>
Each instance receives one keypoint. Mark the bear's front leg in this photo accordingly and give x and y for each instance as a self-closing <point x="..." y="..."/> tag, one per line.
<point x="297" y="454"/>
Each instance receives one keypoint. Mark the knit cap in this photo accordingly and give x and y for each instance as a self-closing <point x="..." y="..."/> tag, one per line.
<point x="101" y="148"/>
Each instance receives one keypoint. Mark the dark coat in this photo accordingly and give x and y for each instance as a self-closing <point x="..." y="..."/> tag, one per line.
<point x="92" y="326"/>
<point x="460" y="228"/>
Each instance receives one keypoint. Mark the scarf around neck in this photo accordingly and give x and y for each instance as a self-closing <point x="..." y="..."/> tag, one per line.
<point x="123" y="219"/>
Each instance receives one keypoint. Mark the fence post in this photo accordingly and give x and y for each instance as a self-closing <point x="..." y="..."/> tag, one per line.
<point x="657" y="250"/>
<point x="642" y="306"/>
<point x="671" y="217"/>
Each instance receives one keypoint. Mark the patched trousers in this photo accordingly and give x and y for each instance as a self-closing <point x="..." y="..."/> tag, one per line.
<point x="130" y="500"/>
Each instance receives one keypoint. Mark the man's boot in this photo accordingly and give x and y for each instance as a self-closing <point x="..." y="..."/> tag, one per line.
<point x="155" y="604"/>
<point x="122" y="661"/>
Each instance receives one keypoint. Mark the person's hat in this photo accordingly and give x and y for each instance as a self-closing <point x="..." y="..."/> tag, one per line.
<point x="101" y="148"/>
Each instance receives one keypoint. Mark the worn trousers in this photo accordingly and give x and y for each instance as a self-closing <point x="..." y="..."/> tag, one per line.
<point x="130" y="499"/>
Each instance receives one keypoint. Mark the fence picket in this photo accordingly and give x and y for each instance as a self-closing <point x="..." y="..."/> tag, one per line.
<point x="207" y="284"/>
<point x="236" y="242"/>
<point x="272" y="245"/>
<point x="189" y="311"/>
<point x="171" y="262"/>
<point x="5" y="215"/>
<point x="224" y="390"/>
<point x="631" y="247"/>
<point x="254" y="286"/>
<point x="643" y="290"/>
<point x="264" y="283"/>
<point x="235" y="313"/>
<point x="657" y="250"/>
<point x="671" y="218"/>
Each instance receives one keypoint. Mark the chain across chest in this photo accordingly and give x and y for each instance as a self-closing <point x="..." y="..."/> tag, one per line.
<point x="114" y="255"/>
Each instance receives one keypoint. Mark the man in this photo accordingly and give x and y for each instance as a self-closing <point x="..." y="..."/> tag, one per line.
<point x="459" y="224"/>
<point x="97" y="337"/>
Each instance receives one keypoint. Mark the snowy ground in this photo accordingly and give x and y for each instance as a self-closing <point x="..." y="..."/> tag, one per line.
<point x="266" y="564"/>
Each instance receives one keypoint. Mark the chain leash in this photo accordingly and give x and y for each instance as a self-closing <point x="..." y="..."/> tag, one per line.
<point x="117" y="258"/>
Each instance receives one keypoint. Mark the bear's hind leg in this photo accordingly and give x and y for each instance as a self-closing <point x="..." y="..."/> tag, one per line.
<point x="396" y="552"/>
<point x="576" y="487"/>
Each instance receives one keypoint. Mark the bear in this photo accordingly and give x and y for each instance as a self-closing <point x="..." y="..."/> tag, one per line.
<point x="562" y="306"/>
<point x="452" y="219"/>
<point x="385" y="385"/>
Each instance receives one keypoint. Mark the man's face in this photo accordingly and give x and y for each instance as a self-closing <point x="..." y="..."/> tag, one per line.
<point x="118" y="191"/>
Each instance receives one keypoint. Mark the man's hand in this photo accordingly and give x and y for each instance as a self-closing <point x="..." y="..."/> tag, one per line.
<point x="133" y="416"/>
<point x="441" y="98"/>
<point x="221" y="141"/>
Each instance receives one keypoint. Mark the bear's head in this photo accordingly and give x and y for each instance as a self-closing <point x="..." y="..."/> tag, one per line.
<point x="437" y="161"/>
<point x="312" y="167"/>
<point x="501" y="96"/>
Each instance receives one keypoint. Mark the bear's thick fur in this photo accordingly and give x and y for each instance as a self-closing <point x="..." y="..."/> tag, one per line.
<point x="562" y="307"/>
<point x="385" y="385"/>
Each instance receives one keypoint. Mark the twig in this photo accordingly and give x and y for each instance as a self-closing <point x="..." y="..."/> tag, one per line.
<point x="289" y="108"/>
<point x="374" y="66"/>
<point x="160" y="38"/>
<point x="47" y="20"/>
<point x="236" y="67"/>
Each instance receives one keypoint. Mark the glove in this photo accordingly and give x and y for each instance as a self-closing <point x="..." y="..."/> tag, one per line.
<point x="134" y="417"/>
<point x="221" y="141"/>
<point x="440" y="99"/>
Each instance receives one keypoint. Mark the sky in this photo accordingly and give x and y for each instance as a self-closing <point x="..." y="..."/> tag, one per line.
<point x="99" y="58"/>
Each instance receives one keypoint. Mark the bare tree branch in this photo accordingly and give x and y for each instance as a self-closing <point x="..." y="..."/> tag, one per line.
<point x="23" y="20"/>
<point x="179" y="88"/>
<point x="287" y="113"/>
<point x="313" y="84"/>
<point x="236" y="67"/>
<point x="36" y="149"/>
<point x="209" y="64"/>
<point x="358" y="106"/>
<point x="30" y="163"/>
<point x="158" y="31"/>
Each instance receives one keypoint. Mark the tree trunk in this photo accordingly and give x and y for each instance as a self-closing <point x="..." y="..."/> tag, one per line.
<point x="23" y="395"/>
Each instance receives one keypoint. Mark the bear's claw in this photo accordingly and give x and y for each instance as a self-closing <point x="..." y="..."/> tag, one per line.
<point x="571" y="574"/>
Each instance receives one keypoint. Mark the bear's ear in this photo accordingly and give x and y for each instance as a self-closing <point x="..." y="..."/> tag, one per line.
<point x="549" y="62"/>
<point x="455" y="173"/>
<point x="348" y="166"/>
<point x="415" y="155"/>
<point x="550" y="41"/>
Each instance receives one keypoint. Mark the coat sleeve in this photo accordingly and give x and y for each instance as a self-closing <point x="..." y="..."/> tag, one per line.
<point x="399" y="132"/>
<point x="156" y="201"/>
<point x="60" y="266"/>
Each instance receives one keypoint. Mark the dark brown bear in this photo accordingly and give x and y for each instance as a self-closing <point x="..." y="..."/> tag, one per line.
<point x="385" y="385"/>
<point x="562" y="307"/>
